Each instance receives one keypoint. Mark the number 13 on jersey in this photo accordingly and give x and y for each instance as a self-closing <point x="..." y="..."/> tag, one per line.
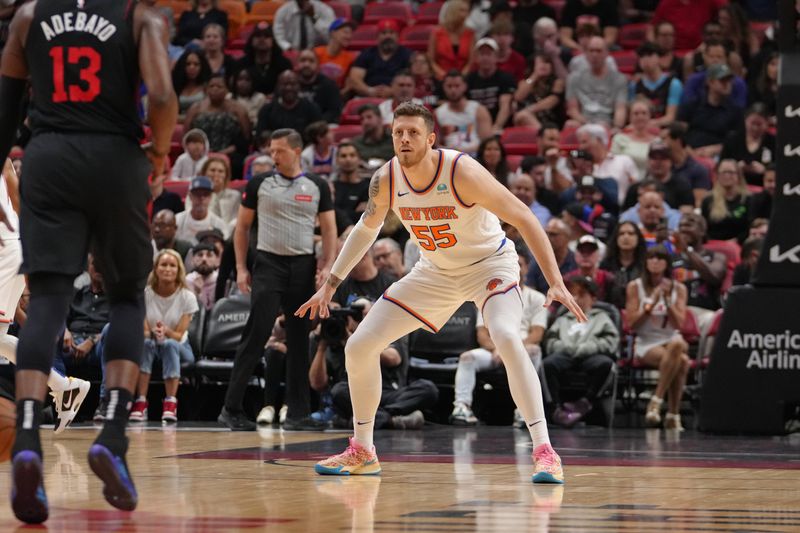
<point x="432" y="237"/>
<point x="89" y="60"/>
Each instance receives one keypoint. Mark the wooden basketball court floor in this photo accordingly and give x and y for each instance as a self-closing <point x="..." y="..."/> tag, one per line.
<point x="442" y="479"/>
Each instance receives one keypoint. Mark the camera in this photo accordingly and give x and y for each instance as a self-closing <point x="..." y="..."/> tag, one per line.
<point x="333" y="329"/>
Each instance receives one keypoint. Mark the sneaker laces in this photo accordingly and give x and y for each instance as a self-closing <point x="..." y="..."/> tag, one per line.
<point x="544" y="456"/>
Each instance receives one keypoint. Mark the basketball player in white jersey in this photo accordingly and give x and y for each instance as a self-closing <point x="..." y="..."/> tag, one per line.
<point x="450" y="205"/>
<point x="68" y="393"/>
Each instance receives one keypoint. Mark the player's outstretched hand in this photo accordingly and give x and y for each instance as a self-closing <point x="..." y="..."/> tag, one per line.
<point x="317" y="304"/>
<point x="561" y="294"/>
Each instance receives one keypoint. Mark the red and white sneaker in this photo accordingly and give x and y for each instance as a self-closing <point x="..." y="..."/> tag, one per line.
<point x="169" y="411"/>
<point x="138" y="411"/>
<point x="546" y="465"/>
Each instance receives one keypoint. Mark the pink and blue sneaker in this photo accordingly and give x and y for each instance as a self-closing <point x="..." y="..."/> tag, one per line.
<point x="547" y="465"/>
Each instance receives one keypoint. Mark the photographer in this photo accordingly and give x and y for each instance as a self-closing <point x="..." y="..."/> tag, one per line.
<point x="401" y="402"/>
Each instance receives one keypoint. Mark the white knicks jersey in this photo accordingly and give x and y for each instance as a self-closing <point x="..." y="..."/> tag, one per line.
<point x="13" y="218"/>
<point x="449" y="233"/>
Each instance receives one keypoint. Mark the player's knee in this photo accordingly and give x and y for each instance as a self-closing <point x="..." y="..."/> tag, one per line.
<point x="505" y="338"/>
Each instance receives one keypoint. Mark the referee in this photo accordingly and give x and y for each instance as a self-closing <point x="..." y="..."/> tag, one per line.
<point x="286" y="203"/>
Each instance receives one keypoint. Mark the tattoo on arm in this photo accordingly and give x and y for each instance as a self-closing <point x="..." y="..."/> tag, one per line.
<point x="334" y="282"/>
<point x="374" y="189"/>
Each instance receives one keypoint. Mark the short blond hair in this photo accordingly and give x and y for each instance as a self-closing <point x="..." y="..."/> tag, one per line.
<point x="152" y="279"/>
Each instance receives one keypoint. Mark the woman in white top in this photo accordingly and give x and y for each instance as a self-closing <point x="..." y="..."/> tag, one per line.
<point x="634" y="141"/>
<point x="655" y="309"/>
<point x="169" y="307"/>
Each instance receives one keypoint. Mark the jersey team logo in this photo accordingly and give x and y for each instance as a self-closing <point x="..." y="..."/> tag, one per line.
<point x="441" y="189"/>
<point x="493" y="284"/>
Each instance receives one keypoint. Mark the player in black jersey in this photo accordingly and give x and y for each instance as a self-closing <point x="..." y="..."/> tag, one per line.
<point x="85" y="187"/>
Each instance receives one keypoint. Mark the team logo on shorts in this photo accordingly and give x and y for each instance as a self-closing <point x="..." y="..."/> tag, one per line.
<point x="493" y="284"/>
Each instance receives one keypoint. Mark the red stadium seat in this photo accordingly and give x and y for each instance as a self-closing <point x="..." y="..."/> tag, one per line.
<point x="263" y="11"/>
<point x="627" y="60"/>
<point x="429" y="13"/>
<point x="513" y="161"/>
<point x="178" y="187"/>
<point x="519" y="140"/>
<point x="341" y="9"/>
<point x="569" y="139"/>
<point x="364" y="36"/>
<point x="346" y="131"/>
<point x="400" y="11"/>
<point x="632" y="35"/>
<point x="350" y="111"/>
<point x="292" y="55"/>
<point x="416" y="37"/>
<point x="759" y="29"/>
<point x="690" y="330"/>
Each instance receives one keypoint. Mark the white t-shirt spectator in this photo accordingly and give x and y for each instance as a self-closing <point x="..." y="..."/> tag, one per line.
<point x="620" y="167"/>
<point x="169" y="310"/>
<point x="597" y="97"/>
<point x="188" y="227"/>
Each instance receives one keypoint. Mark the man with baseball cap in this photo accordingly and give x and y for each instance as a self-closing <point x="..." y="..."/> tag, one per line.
<point x="334" y="58"/>
<point x="677" y="190"/>
<point x="587" y="255"/>
<point x="199" y="217"/>
<point x="373" y="71"/>
<point x="489" y="86"/>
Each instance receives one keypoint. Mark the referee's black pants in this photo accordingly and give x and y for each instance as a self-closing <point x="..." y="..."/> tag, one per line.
<point x="278" y="281"/>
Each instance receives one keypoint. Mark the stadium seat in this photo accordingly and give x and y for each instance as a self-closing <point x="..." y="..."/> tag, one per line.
<point x="237" y="185"/>
<point x="375" y="12"/>
<point x="177" y="133"/>
<point x="513" y="161"/>
<point x="627" y="60"/>
<point x="178" y="8"/>
<point x="350" y="111"/>
<point x="569" y="139"/>
<point x="416" y="37"/>
<point x="179" y="187"/>
<point x="196" y="330"/>
<point x="341" y="9"/>
<point x="346" y="131"/>
<point x="263" y="11"/>
<point x="225" y="325"/>
<point x="364" y="36"/>
<point x="632" y="35"/>
<point x="237" y="14"/>
<point x="557" y="5"/>
<point x="428" y="13"/>
<point x="730" y="249"/>
<point x="519" y="140"/>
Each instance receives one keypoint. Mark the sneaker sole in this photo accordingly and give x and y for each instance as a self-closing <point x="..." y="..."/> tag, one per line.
<point x="117" y="491"/>
<point x="83" y="390"/>
<point x="28" y="504"/>
<point x="546" y="477"/>
<point x="372" y="469"/>
<point x="169" y="418"/>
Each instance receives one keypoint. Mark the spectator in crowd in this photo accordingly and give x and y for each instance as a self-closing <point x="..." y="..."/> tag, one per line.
<point x="672" y="215"/>
<point x="486" y="356"/>
<point x="584" y="37"/>
<point x="725" y="209"/>
<point x="502" y="12"/>
<point x="536" y="167"/>
<point x="664" y="38"/>
<point x="164" y="229"/>
<point x="285" y="274"/>
<point x="199" y="217"/>
<point x="753" y="147"/>
<point x="214" y="237"/>
<point x="532" y="11"/>
<point x="545" y="41"/>
<point x="713" y="116"/>
<point x="169" y="306"/>
<point x="593" y="139"/>
<point x="195" y="152"/>
<point x="245" y="94"/>
<point x="764" y="88"/>
<point x="162" y="198"/>
<point x="759" y="205"/>
<point x="587" y="257"/>
<point x="736" y="33"/>
<point x="463" y="123"/>
<point x="652" y="220"/>
<point x="687" y="19"/>
<point x="696" y="60"/>
<point x="375" y="143"/>
<point x="450" y="43"/>
<point x="303" y="24"/>
<point x="656" y="309"/>
<point x="264" y="59"/>
<point x="492" y="155"/>
<point x="426" y="87"/>
<point x="589" y="347"/>
<point x="701" y="270"/>
<point x="214" y="48"/>
<point x="662" y="89"/>
<point x="288" y="109"/>
<point x="624" y="258"/>
<point x="598" y="209"/>
<point x="715" y="53"/>
<point x="225" y="202"/>
<point x="683" y="164"/>
<point x="557" y="175"/>
<point x="677" y="191"/>
<point x="261" y="151"/>
<point x="401" y="402"/>
<point x="492" y="88"/>
<point x="758" y="228"/>
<point x="389" y="257"/>
<point x="318" y="88"/>
<point x="202" y="281"/>
<point x="635" y="140"/>
<point x="275" y="374"/>
<point x="601" y="13"/>
<point x="189" y="77"/>
<point x="352" y="189"/>
<point x="192" y="22"/>
<point x="597" y="94"/>
<point x="587" y="186"/>
<point x="523" y="187"/>
<point x="540" y="96"/>
<point x="334" y="58"/>
<point x="261" y="164"/>
<point x="402" y="90"/>
<point x="508" y="59"/>
<point x="319" y="154"/>
<point x="558" y="233"/>
<point x="373" y="70"/>
<point x="751" y="252"/>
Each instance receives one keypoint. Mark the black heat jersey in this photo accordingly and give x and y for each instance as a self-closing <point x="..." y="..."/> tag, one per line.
<point x="84" y="67"/>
